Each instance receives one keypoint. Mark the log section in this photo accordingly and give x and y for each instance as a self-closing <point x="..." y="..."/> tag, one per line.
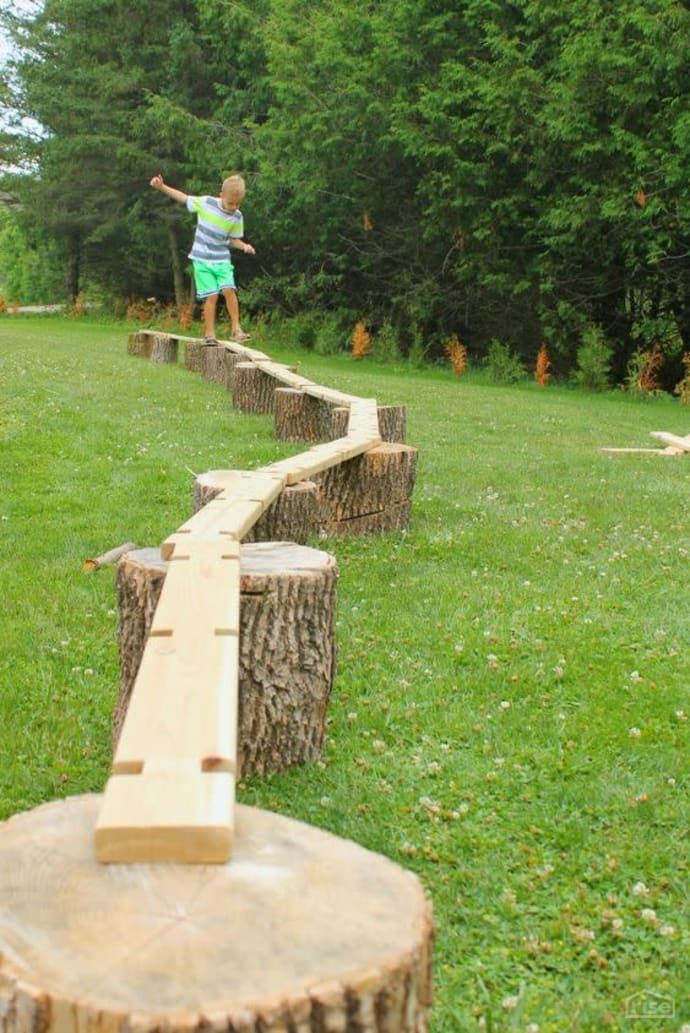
<point x="287" y="647"/>
<point x="369" y="494"/>
<point x="291" y="517"/>
<point x="164" y="348"/>
<point x="300" y="932"/>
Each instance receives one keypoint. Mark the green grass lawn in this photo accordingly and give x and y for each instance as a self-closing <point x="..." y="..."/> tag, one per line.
<point x="510" y="714"/>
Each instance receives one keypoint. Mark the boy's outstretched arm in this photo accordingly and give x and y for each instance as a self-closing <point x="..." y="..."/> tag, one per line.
<point x="158" y="183"/>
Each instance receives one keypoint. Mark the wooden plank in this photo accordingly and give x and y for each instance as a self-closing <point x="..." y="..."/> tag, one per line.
<point x="184" y="703"/>
<point x="670" y="451"/>
<point x="171" y="812"/>
<point x="322" y="457"/>
<point x="252" y="484"/>
<point x="232" y="518"/>
<point x="674" y="440"/>
<point x="328" y="394"/>
<point x="202" y="590"/>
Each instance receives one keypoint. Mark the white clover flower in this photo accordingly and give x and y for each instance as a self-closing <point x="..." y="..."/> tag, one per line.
<point x="648" y="914"/>
<point x="510" y="1002"/>
<point x="504" y="704"/>
<point x="634" y="733"/>
<point x="640" y="890"/>
<point x="635" y="677"/>
<point x="667" y="930"/>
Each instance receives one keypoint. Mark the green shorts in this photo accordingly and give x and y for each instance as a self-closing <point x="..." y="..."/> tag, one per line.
<point x="212" y="277"/>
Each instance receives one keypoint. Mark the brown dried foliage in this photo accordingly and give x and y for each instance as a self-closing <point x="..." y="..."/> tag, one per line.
<point x="361" y="341"/>
<point x="543" y="365"/>
<point x="457" y="353"/>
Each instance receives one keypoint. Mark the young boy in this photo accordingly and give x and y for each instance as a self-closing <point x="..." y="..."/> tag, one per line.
<point x="219" y="227"/>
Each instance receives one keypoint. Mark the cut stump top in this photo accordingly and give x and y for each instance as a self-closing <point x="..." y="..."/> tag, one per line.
<point x="296" y="909"/>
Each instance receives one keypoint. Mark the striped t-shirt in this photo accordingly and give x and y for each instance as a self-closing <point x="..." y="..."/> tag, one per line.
<point x="214" y="228"/>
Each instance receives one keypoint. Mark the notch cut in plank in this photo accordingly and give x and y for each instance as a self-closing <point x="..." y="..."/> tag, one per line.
<point x="184" y="703"/>
<point x="171" y="812"/>
<point x="675" y="440"/>
<point x="231" y="518"/>
<point x="201" y="592"/>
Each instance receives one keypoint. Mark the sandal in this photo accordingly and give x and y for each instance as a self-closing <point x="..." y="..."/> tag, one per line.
<point x="239" y="337"/>
<point x="209" y="342"/>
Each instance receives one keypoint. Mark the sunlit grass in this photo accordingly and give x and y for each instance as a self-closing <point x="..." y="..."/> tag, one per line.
<point x="510" y="712"/>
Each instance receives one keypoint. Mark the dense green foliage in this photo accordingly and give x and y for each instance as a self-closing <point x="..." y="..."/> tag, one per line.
<point x="499" y="171"/>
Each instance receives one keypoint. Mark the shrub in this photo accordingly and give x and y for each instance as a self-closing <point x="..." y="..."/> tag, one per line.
<point x="682" y="388"/>
<point x="361" y="341"/>
<point x="502" y="366"/>
<point x="457" y="353"/>
<point x="385" y="344"/>
<point x="541" y="370"/>
<point x="642" y="372"/>
<point x="593" y="360"/>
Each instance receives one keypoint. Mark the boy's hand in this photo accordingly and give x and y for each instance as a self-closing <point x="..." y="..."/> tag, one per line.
<point x="157" y="182"/>
<point x="248" y="249"/>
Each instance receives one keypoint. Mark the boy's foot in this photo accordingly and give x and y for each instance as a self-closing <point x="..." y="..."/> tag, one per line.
<point x="239" y="336"/>
<point x="207" y="341"/>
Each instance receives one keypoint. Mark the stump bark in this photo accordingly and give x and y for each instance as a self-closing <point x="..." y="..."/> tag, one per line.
<point x="213" y="366"/>
<point x="252" y="389"/>
<point x="300" y="417"/>
<point x="139" y="343"/>
<point x="369" y="494"/>
<point x="287" y="647"/>
<point x="164" y="348"/>
<point x="292" y="517"/>
<point x="300" y="932"/>
<point x="194" y="356"/>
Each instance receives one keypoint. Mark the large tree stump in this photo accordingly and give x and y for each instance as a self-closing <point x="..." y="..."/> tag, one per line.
<point x="164" y="348"/>
<point x="370" y="494"/>
<point x="292" y="517"/>
<point x="287" y="647"/>
<point x="301" y="417"/>
<point x="252" y="388"/>
<point x="194" y="356"/>
<point x="139" y="343"/>
<point x="213" y="366"/>
<point x="300" y="932"/>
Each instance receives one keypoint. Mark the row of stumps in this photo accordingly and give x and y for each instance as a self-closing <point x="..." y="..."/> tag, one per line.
<point x="299" y="931"/>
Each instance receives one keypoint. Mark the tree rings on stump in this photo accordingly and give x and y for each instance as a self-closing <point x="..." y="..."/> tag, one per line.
<point x="300" y="932"/>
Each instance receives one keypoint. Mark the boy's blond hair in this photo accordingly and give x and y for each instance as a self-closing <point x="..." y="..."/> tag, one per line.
<point x="235" y="187"/>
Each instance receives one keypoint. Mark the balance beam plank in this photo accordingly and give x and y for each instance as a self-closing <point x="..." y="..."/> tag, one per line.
<point x="171" y="812"/>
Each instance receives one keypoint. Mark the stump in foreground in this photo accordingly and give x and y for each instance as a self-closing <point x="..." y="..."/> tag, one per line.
<point x="287" y="647"/>
<point x="300" y="932"/>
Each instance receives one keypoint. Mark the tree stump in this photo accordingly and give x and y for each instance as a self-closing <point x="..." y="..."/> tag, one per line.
<point x="252" y="388"/>
<point x="194" y="356"/>
<point x="300" y="932"/>
<point x="300" y="417"/>
<point x="287" y="647"/>
<point x="370" y="494"/>
<point x="292" y="517"/>
<point x="139" y="343"/>
<point x="231" y="360"/>
<point x="164" y="348"/>
<point x="392" y="422"/>
<point x="213" y="366"/>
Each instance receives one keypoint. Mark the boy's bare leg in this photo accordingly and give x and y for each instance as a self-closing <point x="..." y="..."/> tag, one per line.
<point x="209" y="312"/>
<point x="233" y="309"/>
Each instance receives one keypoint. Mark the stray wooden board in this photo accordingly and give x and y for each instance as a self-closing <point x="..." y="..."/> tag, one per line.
<point x="674" y="440"/>
<point x="171" y="812"/>
<point x="648" y="451"/>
